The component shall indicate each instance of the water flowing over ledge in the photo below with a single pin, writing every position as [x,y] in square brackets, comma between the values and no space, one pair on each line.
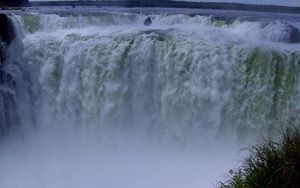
[110,77]
[181,76]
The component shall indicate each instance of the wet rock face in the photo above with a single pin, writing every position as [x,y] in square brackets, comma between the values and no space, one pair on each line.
[148,21]
[287,33]
[8,116]
[2,55]
[5,37]
[293,33]
[6,29]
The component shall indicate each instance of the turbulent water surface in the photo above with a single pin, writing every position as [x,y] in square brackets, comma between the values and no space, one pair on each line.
[102,100]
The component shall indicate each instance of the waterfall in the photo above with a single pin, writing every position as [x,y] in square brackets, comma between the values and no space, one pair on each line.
[181,78]
[111,99]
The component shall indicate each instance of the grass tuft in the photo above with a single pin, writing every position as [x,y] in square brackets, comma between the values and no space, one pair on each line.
[270,164]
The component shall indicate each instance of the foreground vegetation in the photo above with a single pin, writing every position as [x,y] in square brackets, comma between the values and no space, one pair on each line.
[270,164]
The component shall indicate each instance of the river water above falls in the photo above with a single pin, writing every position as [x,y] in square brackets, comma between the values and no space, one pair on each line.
[109,100]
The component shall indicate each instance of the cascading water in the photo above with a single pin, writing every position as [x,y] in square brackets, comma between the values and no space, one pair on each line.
[188,80]
[180,76]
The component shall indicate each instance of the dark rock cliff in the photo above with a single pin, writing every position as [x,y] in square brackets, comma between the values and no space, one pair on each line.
[6,29]
[7,83]
[6,37]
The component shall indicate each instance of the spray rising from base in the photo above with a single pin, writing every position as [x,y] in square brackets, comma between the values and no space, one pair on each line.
[56,160]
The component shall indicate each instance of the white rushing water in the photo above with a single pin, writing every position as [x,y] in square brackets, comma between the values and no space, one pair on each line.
[105,101]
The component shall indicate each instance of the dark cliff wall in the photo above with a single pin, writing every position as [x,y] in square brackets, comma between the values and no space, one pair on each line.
[6,37]
[8,113]
[6,29]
